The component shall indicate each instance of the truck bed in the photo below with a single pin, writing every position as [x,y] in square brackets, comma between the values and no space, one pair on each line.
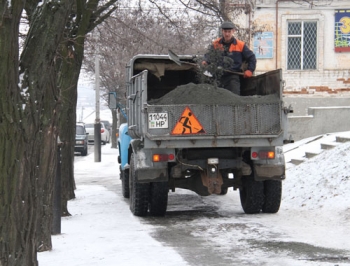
[220,114]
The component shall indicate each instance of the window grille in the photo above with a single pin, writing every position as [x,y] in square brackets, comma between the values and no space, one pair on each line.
[302,45]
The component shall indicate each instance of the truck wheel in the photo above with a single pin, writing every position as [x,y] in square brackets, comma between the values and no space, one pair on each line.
[84,152]
[124,176]
[224,190]
[139,192]
[273,195]
[159,198]
[252,195]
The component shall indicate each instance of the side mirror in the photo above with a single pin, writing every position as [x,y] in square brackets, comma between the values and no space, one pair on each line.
[112,100]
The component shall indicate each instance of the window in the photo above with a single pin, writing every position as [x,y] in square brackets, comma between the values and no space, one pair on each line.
[302,45]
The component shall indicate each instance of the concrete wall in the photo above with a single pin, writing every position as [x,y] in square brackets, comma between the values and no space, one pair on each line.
[320,120]
[301,103]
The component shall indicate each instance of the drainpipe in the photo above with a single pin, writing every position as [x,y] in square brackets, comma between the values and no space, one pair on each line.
[277,28]
[249,11]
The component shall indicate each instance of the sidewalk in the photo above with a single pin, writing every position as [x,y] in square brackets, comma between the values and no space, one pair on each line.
[102,230]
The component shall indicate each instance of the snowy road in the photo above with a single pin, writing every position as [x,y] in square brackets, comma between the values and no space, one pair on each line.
[209,230]
[215,231]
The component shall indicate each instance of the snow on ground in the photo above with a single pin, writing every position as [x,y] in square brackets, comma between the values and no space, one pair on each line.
[102,230]
[321,182]
[97,233]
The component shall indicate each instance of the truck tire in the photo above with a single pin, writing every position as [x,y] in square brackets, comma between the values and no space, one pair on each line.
[124,176]
[84,152]
[139,192]
[273,195]
[251,195]
[224,191]
[158,198]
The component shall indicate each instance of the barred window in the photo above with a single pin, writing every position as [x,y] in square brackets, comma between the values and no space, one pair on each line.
[302,45]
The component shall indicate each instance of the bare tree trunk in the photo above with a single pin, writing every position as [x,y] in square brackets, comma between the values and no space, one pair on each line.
[68,80]
[223,10]
[72,51]
[73,54]
[28,129]
[16,223]
[29,115]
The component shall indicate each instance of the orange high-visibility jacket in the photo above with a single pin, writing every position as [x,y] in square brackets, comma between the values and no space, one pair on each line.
[236,53]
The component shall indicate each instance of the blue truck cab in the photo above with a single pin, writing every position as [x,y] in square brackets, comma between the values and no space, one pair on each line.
[123,145]
[123,159]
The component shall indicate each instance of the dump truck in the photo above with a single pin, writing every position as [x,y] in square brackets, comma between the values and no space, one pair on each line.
[185,132]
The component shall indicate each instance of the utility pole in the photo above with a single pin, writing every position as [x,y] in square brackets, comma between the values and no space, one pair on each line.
[97,127]
[81,114]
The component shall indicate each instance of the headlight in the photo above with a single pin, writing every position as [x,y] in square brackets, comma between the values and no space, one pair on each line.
[79,142]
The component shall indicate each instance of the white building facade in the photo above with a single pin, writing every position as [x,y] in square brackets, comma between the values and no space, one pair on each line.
[308,40]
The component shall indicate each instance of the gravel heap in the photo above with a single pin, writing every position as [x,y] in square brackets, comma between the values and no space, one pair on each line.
[208,94]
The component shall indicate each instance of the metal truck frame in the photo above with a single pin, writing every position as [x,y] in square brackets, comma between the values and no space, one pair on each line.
[239,146]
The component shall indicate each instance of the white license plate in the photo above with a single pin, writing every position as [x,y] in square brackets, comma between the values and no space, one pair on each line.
[158,120]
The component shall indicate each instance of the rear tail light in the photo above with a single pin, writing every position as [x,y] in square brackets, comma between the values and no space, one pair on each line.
[102,130]
[259,155]
[270,155]
[163,157]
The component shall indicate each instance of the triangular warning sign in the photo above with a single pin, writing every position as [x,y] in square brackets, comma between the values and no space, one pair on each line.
[187,124]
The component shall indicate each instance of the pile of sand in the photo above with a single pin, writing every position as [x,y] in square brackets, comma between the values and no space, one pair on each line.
[208,94]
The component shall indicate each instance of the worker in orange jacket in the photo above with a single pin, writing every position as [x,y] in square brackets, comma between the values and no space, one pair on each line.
[228,53]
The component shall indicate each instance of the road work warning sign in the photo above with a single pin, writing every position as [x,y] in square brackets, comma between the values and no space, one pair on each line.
[187,124]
